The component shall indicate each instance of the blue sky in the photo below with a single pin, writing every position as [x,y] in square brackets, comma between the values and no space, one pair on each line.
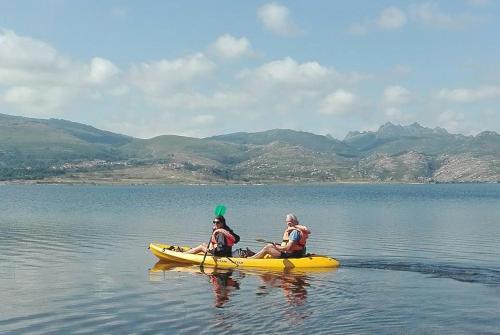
[201,68]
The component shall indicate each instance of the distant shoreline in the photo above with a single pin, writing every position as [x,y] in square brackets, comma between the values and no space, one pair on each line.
[159,183]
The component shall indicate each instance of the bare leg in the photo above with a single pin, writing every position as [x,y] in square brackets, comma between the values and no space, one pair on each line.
[269,249]
[201,248]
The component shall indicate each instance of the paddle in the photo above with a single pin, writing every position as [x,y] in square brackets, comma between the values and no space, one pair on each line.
[219,210]
[264,241]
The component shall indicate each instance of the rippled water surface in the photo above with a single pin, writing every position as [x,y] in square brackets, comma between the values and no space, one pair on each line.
[416,259]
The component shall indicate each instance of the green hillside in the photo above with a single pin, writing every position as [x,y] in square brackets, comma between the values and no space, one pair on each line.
[63,151]
[298,138]
[25,141]
[170,146]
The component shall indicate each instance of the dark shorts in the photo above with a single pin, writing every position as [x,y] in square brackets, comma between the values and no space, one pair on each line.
[227,252]
[295,254]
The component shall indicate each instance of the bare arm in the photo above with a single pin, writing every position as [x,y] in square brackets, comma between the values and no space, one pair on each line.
[287,247]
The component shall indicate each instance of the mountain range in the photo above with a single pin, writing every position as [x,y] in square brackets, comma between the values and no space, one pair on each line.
[60,151]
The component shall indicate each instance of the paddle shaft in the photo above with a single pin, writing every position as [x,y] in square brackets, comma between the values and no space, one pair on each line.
[206,251]
[205,255]
[220,210]
[264,241]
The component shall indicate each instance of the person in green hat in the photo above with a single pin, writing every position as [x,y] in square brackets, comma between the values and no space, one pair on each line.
[221,242]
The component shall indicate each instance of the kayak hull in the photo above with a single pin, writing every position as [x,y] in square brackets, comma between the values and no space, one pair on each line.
[163,252]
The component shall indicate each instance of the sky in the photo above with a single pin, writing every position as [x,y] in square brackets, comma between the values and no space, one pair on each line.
[203,68]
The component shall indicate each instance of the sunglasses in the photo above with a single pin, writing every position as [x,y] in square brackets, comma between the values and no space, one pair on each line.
[216,222]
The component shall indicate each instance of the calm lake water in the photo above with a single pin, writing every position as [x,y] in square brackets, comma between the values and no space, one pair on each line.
[416,259]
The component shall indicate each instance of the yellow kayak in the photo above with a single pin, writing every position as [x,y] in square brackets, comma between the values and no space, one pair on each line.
[171,253]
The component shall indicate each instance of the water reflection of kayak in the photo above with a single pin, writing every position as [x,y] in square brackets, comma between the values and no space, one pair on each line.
[221,280]
[169,253]
[294,282]
[162,266]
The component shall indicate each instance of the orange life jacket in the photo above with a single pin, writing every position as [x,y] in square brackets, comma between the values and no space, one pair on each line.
[304,234]
[229,238]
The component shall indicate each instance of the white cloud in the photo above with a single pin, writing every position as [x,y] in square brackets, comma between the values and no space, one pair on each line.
[393,113]
[229,47]
[166,75]
[102,70]
[203,119]
[338,102]
[183,91]
[197,101]
[276,19]
[17,94]
[464,95]
[451,121]
[290,73]
[396,95]
[119,90]
[391,18]
[426,13]
[25,60]
[38,80]
[18,51]
[39,100]
[288,87]
[394,98]
[429,14]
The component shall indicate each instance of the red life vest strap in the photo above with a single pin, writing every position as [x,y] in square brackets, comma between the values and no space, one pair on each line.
[229,237]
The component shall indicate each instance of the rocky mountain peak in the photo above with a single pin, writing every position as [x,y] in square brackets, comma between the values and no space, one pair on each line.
[390,130]
[488,134]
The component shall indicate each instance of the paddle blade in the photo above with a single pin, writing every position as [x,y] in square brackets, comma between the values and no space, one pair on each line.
[220,210]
